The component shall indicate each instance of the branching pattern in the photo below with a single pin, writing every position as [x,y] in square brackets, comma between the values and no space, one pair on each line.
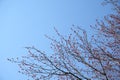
[78,57]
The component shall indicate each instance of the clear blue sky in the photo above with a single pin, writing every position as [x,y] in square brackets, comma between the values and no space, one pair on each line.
[24,23]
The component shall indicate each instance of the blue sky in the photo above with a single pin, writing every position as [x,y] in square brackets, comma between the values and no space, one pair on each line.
[25,22]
